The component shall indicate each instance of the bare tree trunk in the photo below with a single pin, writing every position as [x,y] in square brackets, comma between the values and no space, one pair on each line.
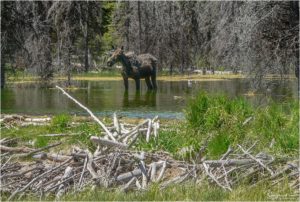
[86,42]
[2,73]
[140,26]
[68,66]
[86,52]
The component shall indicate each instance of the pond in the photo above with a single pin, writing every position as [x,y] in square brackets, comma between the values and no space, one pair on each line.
[106,97]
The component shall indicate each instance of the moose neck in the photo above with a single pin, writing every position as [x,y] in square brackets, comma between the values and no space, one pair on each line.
[125,62]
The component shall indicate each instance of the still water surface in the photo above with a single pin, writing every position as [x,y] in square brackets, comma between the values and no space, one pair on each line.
[105,97]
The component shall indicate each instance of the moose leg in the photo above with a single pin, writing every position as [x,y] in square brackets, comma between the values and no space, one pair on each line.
[137,84]
[125,83]
[153,79]
[149,85]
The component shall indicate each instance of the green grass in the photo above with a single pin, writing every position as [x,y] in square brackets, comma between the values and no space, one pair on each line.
[104,73]
[222,119]
[218,118]
[60,124]
[188,191]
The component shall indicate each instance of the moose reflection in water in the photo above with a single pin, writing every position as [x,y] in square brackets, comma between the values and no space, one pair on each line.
[136,67]
[147,100]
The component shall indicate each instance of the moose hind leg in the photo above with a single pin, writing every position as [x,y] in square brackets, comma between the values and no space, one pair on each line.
[149,85]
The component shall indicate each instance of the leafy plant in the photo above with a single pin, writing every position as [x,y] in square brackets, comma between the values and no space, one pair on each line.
[60,122]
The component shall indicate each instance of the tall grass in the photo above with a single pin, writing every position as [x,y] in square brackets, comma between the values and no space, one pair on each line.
[225,120]
[183,192]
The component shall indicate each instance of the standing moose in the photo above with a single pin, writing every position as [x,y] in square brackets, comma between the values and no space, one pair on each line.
[136,67]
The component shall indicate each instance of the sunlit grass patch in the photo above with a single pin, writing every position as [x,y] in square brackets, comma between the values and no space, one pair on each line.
[235,121]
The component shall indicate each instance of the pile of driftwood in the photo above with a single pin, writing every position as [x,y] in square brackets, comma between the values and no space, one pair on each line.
[114,164]
[241,165]
[58,174]
[118,167]
[10,121]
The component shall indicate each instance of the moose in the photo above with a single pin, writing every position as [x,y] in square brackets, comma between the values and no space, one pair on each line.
[136,67]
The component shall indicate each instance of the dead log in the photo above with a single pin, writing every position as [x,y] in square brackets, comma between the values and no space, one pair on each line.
[20,173]
[257,160]
[15,149]
[62,187]
[37,119]
[116,124]
[89,165]
[129,184]
[149,130]
[129,175]
[144,171]
[12,196]
[51,157]
[164,166]
[213,177]
[229,162]
[38,150]
[110,143]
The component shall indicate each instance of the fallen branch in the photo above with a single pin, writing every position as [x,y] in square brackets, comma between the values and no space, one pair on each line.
[257,160]
[91,113]
[12,196]
[106,142]
[15,149]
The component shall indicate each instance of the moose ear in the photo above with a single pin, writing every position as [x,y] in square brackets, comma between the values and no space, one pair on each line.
[122,48]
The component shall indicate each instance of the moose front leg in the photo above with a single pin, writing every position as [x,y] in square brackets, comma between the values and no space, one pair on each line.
[149,85]
[125,79]
[137,84]
[153,80]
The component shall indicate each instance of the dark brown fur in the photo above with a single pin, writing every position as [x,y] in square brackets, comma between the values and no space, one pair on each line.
[136,67]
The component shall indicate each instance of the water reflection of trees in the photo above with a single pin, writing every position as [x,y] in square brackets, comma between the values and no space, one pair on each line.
[140,100]
[109,96]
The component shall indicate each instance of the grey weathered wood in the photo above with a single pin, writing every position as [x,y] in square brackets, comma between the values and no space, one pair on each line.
[106,142]
[163,169]
[229,162]
[62,187]
[116,123]
[38,150]
[12,196]
[129,184]
[149,130]
[127,176]
[212,176]
[257,160]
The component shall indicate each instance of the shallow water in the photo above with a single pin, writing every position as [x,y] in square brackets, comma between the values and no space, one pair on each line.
[105,97]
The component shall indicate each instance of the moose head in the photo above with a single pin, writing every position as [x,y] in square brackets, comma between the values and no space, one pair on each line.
[115,56]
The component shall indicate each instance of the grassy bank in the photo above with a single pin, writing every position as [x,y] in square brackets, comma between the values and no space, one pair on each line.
[20,77]
[112,75]
[222,121]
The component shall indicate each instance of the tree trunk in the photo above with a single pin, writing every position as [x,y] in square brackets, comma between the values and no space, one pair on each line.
[68,63]
[86,53]
[140,26]
[2,73]
[86,43]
